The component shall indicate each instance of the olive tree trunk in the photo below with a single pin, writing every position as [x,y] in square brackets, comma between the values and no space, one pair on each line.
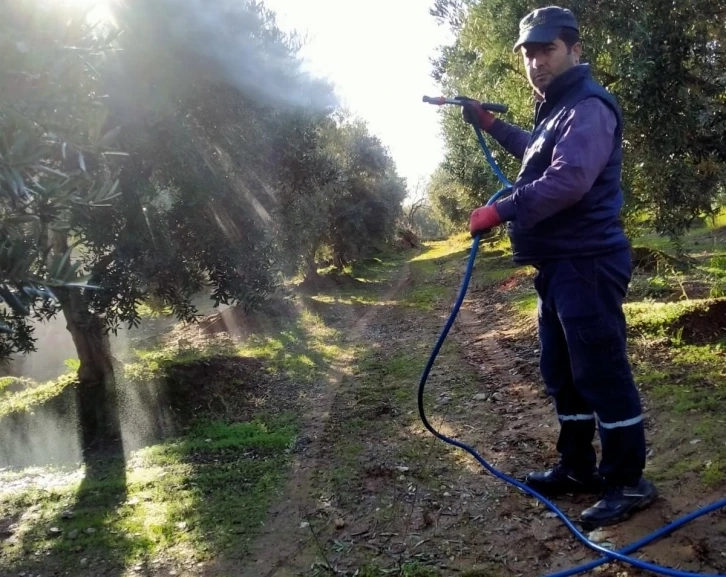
[99,422]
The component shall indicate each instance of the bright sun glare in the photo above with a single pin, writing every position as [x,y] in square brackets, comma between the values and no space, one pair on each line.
[99,10]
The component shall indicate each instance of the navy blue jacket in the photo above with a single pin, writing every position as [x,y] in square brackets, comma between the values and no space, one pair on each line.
[591,226]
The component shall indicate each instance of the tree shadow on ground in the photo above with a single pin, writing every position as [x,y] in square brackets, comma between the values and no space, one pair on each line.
[58,526]
[182,499]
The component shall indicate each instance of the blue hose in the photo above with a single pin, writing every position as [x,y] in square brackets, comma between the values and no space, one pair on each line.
[608,556]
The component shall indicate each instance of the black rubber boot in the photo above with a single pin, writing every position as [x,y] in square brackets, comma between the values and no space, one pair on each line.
[619,504]
[560,481]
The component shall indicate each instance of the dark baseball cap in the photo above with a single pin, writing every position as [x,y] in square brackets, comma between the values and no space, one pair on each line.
[543,25]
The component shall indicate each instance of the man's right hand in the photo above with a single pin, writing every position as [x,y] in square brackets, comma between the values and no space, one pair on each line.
[474,114]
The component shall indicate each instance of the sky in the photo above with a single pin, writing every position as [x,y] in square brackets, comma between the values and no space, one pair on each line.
[377,53]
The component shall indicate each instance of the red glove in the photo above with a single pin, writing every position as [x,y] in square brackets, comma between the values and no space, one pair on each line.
[474,114]
[483,219]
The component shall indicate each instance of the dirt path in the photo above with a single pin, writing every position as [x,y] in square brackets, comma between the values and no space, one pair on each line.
[284,547]
[374,490]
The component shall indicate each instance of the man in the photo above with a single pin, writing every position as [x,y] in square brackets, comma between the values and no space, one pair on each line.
[563,219]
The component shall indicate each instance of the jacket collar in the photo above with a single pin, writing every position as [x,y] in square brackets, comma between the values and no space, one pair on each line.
[558,88]
[561,84]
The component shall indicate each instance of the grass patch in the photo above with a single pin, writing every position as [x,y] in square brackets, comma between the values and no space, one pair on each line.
[444,249]
[698,321]
[439,270]
[526,304]
[490,275]
[426,297]
[372,271]
[714,474]
[376,269]
[348,298]
[190,499]
[32,396]
[300,349]
[686,387]
[153,363]
[654,318]
[692,380]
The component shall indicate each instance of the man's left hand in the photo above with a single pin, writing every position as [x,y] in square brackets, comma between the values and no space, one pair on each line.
[483,219]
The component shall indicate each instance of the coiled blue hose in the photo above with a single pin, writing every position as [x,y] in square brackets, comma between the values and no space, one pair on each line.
[608,556]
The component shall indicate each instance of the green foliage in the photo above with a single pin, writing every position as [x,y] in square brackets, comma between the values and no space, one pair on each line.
[167,153]
[55,161]
[427,224]
[663,65]
[369,202]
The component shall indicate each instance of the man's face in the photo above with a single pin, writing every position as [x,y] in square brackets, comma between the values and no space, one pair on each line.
[544,62]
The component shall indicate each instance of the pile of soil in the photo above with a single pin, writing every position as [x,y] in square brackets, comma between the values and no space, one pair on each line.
[703,325]
[230,389]
[238,323]
[649,260]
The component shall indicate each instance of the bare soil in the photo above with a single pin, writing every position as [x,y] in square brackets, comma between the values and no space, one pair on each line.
[703,325]
[284,546]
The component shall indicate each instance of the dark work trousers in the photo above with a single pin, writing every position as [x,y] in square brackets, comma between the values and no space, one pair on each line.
[585,366]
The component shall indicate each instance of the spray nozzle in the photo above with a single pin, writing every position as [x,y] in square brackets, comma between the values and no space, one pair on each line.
[440,101]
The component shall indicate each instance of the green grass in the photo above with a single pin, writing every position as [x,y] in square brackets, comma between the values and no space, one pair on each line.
[300,348]
[150,364]
[432,273]
[691,381]
[426,297]
[684,383]
[371,271]
[526,304]
[456,245]
[26,399]
[439,270]
[190,499]
[347,298]
[489,275]
[376,269]
[655,318]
